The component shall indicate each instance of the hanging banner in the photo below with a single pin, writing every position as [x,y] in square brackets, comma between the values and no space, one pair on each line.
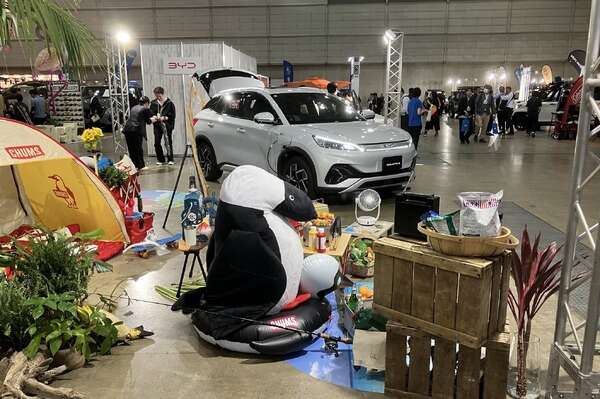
[547,73]
[518,73]
[288,72]
[577,59]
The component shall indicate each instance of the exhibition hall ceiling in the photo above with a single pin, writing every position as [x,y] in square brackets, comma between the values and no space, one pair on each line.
[327,32]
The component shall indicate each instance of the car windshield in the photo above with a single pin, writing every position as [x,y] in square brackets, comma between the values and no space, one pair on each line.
[304,108]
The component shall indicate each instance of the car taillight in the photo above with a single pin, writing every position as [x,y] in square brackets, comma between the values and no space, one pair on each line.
[194,121]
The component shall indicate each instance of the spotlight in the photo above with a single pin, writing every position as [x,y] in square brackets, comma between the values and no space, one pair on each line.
[389,36]
[491,76]
[123,37]
[503,77]
[458,81]
[450,81]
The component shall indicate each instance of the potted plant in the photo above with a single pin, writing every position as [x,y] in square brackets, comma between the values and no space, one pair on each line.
[60,324]
[362,257]
[536,278]
[92,138]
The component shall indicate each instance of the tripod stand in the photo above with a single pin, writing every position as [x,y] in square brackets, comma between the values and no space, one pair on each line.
[185,154]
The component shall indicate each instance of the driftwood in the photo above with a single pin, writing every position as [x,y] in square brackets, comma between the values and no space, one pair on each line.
[21,378]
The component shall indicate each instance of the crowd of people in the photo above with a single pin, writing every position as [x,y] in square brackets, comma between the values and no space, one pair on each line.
[34,113]
[478,111]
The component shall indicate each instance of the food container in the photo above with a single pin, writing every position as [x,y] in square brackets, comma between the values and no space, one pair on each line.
[189,233]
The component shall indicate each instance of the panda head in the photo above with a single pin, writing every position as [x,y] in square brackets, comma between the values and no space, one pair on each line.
[253,187]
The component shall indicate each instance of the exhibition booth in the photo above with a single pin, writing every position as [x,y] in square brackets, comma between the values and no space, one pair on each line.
[417,306]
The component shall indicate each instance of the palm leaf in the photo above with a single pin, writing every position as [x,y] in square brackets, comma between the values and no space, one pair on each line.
[75,45]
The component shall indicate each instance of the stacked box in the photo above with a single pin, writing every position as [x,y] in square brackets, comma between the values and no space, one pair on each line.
[458,305]
[420,366]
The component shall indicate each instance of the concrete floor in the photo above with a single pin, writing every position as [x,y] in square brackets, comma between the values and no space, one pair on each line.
[533,172]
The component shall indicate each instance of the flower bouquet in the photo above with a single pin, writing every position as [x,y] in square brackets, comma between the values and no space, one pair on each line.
[91,138]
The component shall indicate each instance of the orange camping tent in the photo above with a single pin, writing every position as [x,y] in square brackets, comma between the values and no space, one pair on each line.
[317,82]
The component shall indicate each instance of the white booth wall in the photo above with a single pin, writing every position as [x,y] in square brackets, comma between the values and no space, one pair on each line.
[177,87]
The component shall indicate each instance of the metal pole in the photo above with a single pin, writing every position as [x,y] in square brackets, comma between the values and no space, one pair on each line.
[399,88]
[387,81]
[580,372]
[583,127]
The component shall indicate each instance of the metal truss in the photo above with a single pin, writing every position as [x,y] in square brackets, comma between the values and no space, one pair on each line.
[118,88]
[576,356]
[393,77]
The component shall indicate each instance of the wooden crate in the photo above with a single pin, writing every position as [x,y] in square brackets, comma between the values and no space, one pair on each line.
[420,366]
[459,299]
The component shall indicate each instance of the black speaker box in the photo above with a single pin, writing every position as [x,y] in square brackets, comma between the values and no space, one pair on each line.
[409,208]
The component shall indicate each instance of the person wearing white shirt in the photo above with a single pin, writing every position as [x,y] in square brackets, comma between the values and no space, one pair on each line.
[404,109]
[506,107]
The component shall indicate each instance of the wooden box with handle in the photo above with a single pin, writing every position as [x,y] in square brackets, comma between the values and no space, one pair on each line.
[459,299]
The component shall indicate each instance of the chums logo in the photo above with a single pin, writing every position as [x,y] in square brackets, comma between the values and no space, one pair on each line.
[182,66]
[62,191]
[25,152]
[289,321]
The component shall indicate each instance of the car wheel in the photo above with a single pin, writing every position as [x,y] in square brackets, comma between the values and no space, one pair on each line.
[208,161]
[298,172]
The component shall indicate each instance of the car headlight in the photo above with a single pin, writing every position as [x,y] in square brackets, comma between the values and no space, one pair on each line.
[336,145]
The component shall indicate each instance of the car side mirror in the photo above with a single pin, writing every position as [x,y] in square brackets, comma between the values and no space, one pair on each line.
[368,114]
[265,118]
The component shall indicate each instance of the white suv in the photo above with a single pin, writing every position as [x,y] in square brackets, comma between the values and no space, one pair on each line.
[314,140]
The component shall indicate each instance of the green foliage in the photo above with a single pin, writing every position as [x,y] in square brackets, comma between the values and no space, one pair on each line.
[54,265]
[14,316]
[21,20]
[112,176]
[60,324]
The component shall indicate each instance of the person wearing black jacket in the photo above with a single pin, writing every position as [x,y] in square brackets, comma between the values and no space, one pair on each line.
[533,111]
[163,111]
[135,131]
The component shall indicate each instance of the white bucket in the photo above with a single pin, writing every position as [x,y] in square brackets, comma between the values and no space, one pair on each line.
[189,234]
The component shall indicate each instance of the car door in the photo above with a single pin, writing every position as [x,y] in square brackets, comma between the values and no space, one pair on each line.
[231,128]
[262,140]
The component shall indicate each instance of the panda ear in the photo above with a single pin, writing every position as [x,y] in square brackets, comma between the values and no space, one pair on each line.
[296,205]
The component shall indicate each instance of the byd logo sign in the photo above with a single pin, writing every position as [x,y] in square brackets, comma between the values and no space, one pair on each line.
[25,152]
[180,66]
[186,65]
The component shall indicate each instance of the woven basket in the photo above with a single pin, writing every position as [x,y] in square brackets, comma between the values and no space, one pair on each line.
[470,246]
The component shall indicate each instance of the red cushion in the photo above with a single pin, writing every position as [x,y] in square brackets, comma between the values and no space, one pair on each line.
[300,299]
[108,249]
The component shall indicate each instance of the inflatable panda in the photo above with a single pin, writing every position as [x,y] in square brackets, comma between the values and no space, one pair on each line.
[255,268]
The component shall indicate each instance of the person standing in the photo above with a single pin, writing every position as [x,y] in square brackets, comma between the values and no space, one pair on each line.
[404,100]
[39,108]
[18,110]
[500,108]
[332,88]
[163,111]
[435,108]
[506,108]
[425,113]
[135,131]
[534,104]
[415,111]
[484,109]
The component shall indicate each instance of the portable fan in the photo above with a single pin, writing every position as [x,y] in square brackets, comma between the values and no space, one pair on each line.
[367,201]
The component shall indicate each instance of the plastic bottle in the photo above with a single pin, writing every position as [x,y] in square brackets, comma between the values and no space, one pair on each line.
[353,300]
[321,240]
[312,238]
